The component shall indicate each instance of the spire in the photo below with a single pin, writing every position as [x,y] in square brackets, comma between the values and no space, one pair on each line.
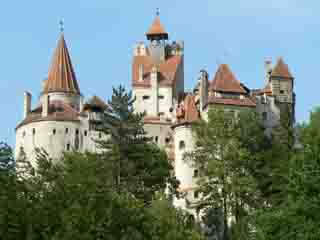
[225,81]
[157,31]
[61,76]
[281,70]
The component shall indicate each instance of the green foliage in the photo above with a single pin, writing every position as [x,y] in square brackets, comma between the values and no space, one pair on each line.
[297,216]
[72,199]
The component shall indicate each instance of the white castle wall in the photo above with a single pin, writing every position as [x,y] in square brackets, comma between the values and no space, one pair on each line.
[184,172]
[41,135]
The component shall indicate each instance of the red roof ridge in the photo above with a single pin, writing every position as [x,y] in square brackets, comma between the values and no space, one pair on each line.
[281,69]
[61,76]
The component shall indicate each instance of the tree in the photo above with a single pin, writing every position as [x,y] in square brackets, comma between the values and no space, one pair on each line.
[6,158]
[231,155]
[138,166]
[72,199]
[227,148]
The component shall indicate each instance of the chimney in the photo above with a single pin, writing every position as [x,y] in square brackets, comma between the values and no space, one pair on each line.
[27,104]
[267,69]
[45,105]
[81,104]
[141,73]
[203,89]
[154,108]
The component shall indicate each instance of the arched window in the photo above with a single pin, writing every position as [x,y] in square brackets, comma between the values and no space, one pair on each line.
[182,145]
[67,130]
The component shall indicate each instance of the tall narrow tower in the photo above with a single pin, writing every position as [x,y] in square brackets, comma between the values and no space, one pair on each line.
[157,79]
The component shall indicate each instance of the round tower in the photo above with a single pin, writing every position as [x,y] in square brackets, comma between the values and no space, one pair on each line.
[184,142]
[55,124]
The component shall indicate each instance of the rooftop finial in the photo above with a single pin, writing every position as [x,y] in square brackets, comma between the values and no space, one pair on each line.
[158,11]
[61,23]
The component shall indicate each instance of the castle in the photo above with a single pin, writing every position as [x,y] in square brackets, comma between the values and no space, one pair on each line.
[64,121]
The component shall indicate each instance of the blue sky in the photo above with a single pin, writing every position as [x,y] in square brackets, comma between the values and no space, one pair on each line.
[100,35]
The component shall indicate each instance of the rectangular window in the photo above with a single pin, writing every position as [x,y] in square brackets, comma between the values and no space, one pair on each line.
[264,116]
[68,147]
[196,173]
[145,97]
[196,194]
[161,97]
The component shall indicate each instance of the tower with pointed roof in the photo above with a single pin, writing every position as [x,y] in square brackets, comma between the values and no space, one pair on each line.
[60,121]
[157,79]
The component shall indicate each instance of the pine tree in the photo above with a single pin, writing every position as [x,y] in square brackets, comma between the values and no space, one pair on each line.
[139,166]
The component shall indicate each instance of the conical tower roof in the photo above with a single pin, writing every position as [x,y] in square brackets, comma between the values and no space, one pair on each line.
[225,81]
[61,76]
[281,69]
[157,30]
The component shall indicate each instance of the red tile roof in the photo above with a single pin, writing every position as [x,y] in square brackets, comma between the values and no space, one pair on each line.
[157,29]
[225,81]
[61,76]
[58,111]
[281,69]
[246,102]
[167,70]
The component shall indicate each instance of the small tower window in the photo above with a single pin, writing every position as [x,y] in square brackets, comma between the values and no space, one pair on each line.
[145,97]
[281,91]
[196,194]
[67,130]
[196,173]
[54,131]
[33,131]
[264,116]
[77,131]
[167,140]
[182,145]
[24,134]
[85,133]
[68,147]
[156,139]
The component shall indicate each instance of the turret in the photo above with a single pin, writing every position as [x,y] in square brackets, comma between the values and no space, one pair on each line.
[27,104]
[157,36]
